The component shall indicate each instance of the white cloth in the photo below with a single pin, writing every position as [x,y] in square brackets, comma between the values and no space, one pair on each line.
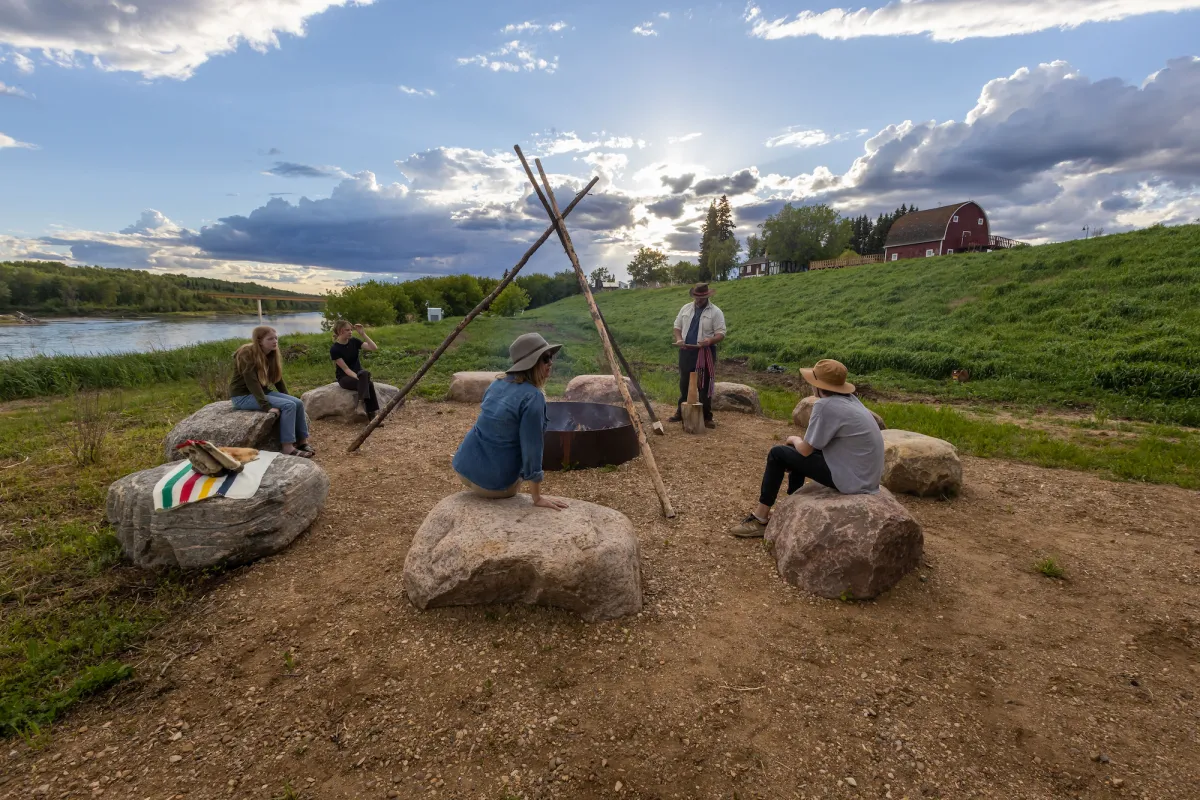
[185,485]
[712,320]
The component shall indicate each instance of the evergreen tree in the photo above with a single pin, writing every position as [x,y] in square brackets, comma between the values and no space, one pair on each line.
[708,236]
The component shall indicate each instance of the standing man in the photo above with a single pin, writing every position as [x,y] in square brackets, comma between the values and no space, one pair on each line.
[698,327]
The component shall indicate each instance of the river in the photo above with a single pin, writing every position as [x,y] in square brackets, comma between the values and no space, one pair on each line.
[97,335]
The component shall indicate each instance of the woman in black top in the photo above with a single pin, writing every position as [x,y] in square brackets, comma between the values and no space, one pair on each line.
[349,372]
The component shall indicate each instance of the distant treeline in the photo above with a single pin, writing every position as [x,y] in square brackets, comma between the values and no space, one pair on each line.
[55,288]
[382,303]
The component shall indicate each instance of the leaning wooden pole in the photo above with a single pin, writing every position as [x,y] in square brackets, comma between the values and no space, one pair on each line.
[551,206]
[484,305]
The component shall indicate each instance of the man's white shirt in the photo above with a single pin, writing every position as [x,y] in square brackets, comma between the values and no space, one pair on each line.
[712,321]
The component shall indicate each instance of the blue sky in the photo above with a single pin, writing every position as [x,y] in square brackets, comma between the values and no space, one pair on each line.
[313,142]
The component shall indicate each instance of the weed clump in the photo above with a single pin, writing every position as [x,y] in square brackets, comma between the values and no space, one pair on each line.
[1049,567]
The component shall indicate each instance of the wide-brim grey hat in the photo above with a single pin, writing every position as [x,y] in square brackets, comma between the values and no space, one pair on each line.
[527,349]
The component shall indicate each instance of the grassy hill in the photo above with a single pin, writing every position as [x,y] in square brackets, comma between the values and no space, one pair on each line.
[1110,324]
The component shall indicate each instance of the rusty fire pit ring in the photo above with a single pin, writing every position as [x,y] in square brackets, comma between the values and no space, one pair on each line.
[587,435]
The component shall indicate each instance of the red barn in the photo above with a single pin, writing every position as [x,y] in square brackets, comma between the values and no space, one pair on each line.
[939,231]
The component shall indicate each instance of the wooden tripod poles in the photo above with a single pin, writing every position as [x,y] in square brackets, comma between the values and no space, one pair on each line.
[484,304]
[551,206]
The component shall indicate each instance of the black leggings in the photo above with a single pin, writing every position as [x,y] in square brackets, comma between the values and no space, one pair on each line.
[361,384]
[785,458]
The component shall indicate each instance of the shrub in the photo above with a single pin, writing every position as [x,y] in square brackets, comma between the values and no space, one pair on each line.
[92,420]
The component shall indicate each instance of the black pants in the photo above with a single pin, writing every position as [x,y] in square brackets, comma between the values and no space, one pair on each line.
[687,365]
[361,384]
[785,458]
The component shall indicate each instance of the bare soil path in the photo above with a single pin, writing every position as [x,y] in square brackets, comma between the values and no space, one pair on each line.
[975,677]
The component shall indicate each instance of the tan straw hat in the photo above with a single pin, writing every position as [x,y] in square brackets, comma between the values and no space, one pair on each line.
[829,375]
[527,349]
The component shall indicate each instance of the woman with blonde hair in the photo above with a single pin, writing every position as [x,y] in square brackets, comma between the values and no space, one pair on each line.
[505,445]
[349,372]
[257,366]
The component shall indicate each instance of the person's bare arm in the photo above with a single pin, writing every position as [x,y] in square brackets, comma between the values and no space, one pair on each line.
[368,344]
[802,447]
[716,337]
[342,366]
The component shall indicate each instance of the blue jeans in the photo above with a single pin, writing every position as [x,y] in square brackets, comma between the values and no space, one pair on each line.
[293,422]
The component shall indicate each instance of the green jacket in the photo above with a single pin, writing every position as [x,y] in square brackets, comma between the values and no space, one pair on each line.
[245,381]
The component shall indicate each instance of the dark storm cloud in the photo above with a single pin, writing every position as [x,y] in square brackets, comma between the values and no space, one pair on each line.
[289,169]
[669,207]
[738,183]
[680,184]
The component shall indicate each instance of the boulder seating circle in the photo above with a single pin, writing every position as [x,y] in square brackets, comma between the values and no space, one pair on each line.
[472,551]
[468,387]
[217,531]
[599,389]
[843,546]
[224,426]
[331,401]
[735,397]
[914,463]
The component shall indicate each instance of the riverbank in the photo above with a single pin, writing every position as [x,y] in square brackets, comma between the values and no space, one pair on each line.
[139,333]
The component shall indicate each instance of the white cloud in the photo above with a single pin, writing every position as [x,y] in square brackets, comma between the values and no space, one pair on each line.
[8,141]
[157,38]
[645,29]
[806,137]
[417,92]
[512,57]
[14,91]
[1046,150]
[23,63]
[570,142]
[687,137]
[608,166]
[533,27]
[954,20]
[664,15]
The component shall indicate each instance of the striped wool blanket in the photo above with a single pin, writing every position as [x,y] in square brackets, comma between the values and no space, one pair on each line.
[185,485]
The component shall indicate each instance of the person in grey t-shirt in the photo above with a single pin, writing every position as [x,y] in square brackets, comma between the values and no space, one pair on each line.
[842,448]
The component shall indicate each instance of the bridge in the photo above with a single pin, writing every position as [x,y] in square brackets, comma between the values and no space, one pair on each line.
[291,298]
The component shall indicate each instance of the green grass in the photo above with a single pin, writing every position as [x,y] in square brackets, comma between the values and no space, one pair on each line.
[1049,567]
[69,610]
[1111,323]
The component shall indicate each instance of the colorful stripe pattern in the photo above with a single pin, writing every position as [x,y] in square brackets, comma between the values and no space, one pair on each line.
[185,485]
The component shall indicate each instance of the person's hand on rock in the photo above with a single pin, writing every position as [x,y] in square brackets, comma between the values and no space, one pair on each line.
[550,502]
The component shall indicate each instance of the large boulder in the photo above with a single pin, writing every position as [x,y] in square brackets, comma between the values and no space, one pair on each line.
[735,397]
[598,389]
[914,463]
[803,410]
[332,401]
[471,551]
[468,387]
[225,426]
[216,532]
[843,545]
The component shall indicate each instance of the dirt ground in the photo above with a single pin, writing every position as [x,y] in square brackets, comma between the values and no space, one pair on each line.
[975,677]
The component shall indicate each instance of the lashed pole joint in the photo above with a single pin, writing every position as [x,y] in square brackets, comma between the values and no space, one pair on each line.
[484,305]
[551,206]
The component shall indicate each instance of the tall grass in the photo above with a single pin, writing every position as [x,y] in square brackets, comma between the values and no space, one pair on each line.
[1111,322]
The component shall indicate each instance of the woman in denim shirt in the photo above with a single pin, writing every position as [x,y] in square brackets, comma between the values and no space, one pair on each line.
[505,445]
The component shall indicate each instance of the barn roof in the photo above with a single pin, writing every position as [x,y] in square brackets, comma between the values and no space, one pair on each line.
[921,226]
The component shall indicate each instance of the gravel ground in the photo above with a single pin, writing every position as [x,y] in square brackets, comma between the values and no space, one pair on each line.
[975,677]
